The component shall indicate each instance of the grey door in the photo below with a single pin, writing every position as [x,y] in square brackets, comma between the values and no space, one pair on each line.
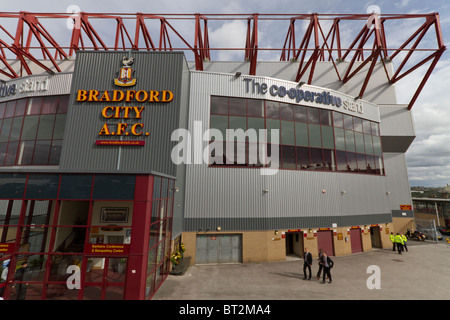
[224,248]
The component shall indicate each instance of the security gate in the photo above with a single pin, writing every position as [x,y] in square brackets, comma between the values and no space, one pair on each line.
[223,248]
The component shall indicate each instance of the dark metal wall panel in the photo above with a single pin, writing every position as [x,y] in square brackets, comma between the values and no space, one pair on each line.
[201,225]
[96,71]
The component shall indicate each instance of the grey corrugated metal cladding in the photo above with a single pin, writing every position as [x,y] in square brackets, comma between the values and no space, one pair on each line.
[155,111]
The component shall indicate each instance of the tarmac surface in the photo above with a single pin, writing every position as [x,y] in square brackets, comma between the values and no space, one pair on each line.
[422,273]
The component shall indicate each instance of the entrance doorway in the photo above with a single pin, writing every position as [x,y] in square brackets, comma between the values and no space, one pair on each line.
[325,241]
[104,278]
[356,240]
[375,237]
[294,243]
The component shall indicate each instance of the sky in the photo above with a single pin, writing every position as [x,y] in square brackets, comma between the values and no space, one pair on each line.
[428,158]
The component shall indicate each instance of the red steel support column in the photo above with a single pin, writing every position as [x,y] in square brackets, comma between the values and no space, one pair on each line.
[140,231]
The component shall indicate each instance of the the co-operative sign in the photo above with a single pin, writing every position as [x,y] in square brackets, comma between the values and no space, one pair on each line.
[298,95]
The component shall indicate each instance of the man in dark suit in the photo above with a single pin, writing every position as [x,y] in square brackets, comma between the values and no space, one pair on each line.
[327,265]
[307,257]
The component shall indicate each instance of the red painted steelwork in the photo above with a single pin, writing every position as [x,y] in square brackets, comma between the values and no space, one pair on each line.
[366,49]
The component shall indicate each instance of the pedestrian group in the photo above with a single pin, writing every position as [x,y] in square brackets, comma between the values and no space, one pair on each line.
[325,265]
[399,242]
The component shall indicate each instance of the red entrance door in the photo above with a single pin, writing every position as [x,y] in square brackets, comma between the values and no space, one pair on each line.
[325,241]
[104,278]
[355,239]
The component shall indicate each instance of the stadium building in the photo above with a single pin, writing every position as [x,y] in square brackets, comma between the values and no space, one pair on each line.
[111,157]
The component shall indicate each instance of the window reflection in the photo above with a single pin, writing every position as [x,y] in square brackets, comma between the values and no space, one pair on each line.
[328,140]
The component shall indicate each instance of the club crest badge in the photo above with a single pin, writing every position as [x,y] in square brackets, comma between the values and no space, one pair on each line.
[125,78]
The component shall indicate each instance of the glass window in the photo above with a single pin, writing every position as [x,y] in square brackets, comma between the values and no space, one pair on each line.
[60,124]
[375,129]
[15,129]
[45,129]
[351,161]
[256,124]
[30,124]
[379,167]
[338,120]
[287,133]
[328,160]
[220,123]
[376,146]
[313,115]
[49,105]
[367,127]
[219,105]
[325,117]
[315,136]
[301,114]
[303,158]
[6,129]
[10,109]
[3,147]
[368,144]
[119,187]
[63,104]
[358,124]
[301,134]
[370,164]
[272,110]
[12,185]
[339,138]
[286,111]
[26,150]
[272,124]
[41,152]
[359,142]
[35,106]
[2,109]
[348,122]
[288,157]
[255,108]
[75,186]
[361,162]
[55,152]
[341,160]
[11,153]
[349,140]
[327,137]
[42,186]
[20,107]
[316,158]
[237,106]
[237,123]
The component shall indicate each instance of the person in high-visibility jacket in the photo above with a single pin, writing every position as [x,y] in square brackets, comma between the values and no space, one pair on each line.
[399,242]
[392,237]
[404,238]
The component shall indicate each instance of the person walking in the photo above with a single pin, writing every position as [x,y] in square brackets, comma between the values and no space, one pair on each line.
[320,264]
[392,237]
[404,238]
[307,257]
[22,275]
[327,265]
[399,243]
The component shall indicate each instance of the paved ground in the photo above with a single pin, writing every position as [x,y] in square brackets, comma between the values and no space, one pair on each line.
[421,273]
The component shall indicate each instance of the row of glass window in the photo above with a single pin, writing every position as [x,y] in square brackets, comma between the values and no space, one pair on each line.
[31,130]
[252,108]
[299,134]
[294,158]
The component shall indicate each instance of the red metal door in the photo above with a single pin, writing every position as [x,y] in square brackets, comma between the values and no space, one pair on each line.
[355,240]
[325,241]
